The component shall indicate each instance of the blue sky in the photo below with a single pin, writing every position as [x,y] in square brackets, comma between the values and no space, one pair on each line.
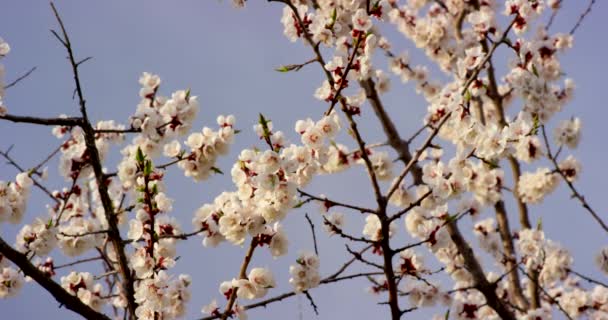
[227,57]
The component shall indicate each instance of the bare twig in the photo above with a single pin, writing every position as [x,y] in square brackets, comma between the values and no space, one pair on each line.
[575,193]
[312,230]
[582,17]
[14,82]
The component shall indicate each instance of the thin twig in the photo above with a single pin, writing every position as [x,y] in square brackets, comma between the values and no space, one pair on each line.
[312,230]
[20,78]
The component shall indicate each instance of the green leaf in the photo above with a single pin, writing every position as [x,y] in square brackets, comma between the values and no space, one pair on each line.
[493,164]
[467,96]
[216,170]
[447,315]
[264,123]
[237,131]
[539,224]
[534,70]
[49,224]
[451,218]
[299,204]
[139,155]
[188,95]
[283,69]
[148,168]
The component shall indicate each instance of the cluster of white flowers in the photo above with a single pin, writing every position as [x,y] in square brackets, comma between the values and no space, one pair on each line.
[373,228]
[38,237]
[205,147]
[162,297]
[421,294]
[568,133]
[82,285]
[470,108]
[335,220]
[255,286]
[13,198]
[534,186]
[400,66]
[410,263]
[488,236]
[4,50]
[10,281]
[305,273]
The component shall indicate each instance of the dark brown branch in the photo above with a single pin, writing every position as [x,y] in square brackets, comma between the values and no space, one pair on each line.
[411,206]
[416,156]
[394,140]
[477,273]
[312,302]
[242,275]
[549,297]
[327,280]
[77,262]
[68,122]
[334,203]
[63,297]
[510,256]
[89,136]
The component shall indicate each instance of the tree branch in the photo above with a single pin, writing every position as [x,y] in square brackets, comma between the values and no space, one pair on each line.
[63,297]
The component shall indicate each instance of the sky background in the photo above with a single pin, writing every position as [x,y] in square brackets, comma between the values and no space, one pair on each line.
[227,56]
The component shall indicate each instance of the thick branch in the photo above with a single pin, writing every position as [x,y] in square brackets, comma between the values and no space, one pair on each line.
[479,277]
[68,122]
[394,140]
[69,301]
[89,136]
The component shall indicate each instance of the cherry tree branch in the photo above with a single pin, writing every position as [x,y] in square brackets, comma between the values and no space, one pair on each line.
[63,297]
[242,275]
[479,277]
[89,136]
[394,140]
[67,122]
[332,203]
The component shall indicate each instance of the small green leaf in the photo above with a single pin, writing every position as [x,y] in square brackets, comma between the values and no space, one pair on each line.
[148,168]
[467,96]
[237,131]
[283,69]
[299,204]
[539,224]
[188,95]
[451,218]
[447,315]
[264,124]
[139,155]
[534,70]
[49,224]
[216,170]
